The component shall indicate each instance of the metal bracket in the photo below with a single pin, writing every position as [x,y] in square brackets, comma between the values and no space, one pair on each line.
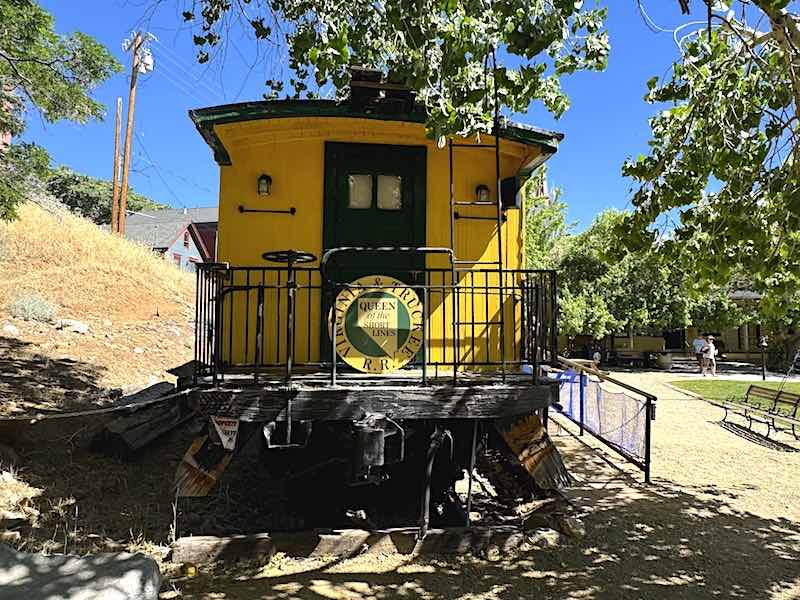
[271,429]
[290,211]
[457,215]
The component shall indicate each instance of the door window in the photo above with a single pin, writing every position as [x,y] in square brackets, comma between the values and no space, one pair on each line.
[390,188]
[360,191]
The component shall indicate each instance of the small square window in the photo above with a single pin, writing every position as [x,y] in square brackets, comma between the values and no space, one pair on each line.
[360,193]
[390,192]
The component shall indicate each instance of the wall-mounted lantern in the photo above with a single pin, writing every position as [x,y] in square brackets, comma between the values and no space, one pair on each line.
[482,193]
[264,185]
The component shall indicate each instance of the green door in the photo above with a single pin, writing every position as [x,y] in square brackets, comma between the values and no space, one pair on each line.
[374,197]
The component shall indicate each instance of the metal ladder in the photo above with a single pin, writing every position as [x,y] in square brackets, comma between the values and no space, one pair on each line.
[499,218]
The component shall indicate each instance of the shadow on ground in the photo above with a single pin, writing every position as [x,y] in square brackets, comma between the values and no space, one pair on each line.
[31,382]
[32,576]
[87,498]
[753,436]
[653,541]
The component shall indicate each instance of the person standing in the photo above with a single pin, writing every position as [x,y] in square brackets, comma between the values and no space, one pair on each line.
[710,357]
[698,343]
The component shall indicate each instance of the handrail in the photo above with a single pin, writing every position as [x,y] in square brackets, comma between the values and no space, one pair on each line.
[599,374]
[323,263]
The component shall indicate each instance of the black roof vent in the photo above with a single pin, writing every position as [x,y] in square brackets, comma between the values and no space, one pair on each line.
[371,91]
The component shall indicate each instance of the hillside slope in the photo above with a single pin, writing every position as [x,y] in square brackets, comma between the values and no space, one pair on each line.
[138,309]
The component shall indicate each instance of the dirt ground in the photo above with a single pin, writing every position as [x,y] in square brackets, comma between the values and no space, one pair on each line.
[721,519]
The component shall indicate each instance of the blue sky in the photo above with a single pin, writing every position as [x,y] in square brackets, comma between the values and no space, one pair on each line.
[606,124]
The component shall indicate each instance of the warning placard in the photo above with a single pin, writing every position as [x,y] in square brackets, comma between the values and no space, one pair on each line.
[227,429]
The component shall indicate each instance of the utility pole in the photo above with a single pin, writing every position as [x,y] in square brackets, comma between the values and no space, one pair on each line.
[115,196]
[126,162]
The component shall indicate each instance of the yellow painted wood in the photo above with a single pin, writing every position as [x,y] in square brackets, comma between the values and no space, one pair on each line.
[291,151]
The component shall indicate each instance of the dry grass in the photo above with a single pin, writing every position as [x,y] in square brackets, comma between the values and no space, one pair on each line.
[17,496]
[87,502]
[83,270]
[138,307]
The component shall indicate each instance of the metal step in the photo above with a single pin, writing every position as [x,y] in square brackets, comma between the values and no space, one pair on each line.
[475,203]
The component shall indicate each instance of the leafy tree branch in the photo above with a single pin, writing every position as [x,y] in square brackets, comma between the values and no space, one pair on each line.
[46,72]
[719,192]
[441,49]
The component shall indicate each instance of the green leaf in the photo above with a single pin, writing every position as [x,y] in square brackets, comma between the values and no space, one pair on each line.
[439,48]
[55,75]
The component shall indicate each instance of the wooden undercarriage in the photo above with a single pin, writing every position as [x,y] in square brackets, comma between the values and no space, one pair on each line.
[310,396]
[380,444]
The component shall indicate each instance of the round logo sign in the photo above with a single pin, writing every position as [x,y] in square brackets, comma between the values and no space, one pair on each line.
[378,324]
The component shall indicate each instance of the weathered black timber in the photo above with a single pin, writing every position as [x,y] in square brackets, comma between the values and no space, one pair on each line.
[203,549]
[125,436]
[347,403]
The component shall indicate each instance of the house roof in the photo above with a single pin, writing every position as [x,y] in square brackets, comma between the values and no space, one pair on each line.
[160,228]
[744,295]
[206,118]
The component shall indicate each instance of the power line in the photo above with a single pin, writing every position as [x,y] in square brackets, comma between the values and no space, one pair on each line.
[170,55]
[150,165]
[188,79]
[181,86]
[158,171]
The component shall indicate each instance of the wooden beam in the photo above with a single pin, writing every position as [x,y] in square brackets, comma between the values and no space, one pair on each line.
[201,550]
[345,404]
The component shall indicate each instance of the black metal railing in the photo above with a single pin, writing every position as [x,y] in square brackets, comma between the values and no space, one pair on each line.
[253,319]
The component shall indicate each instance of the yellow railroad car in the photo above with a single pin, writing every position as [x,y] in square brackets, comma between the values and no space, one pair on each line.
[370,304]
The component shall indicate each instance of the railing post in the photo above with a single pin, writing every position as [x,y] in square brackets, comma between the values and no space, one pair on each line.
[200,277]
[259,331]
[456,318]
[535,325]
[218,327]
[426,300]
[647,433]
[333,343]
[554,318]
[290,302]
[582,379]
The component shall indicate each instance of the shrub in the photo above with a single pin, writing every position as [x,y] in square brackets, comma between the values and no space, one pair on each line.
[31,307]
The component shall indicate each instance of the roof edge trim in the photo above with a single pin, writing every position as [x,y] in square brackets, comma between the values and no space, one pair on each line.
[205,119]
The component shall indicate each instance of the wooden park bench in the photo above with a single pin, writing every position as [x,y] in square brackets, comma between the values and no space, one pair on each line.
[634,358]
[768,406]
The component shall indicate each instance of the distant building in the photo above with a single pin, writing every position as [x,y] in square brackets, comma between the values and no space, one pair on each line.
[184,236]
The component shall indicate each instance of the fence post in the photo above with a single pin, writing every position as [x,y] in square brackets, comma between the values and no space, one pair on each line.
[582,399]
